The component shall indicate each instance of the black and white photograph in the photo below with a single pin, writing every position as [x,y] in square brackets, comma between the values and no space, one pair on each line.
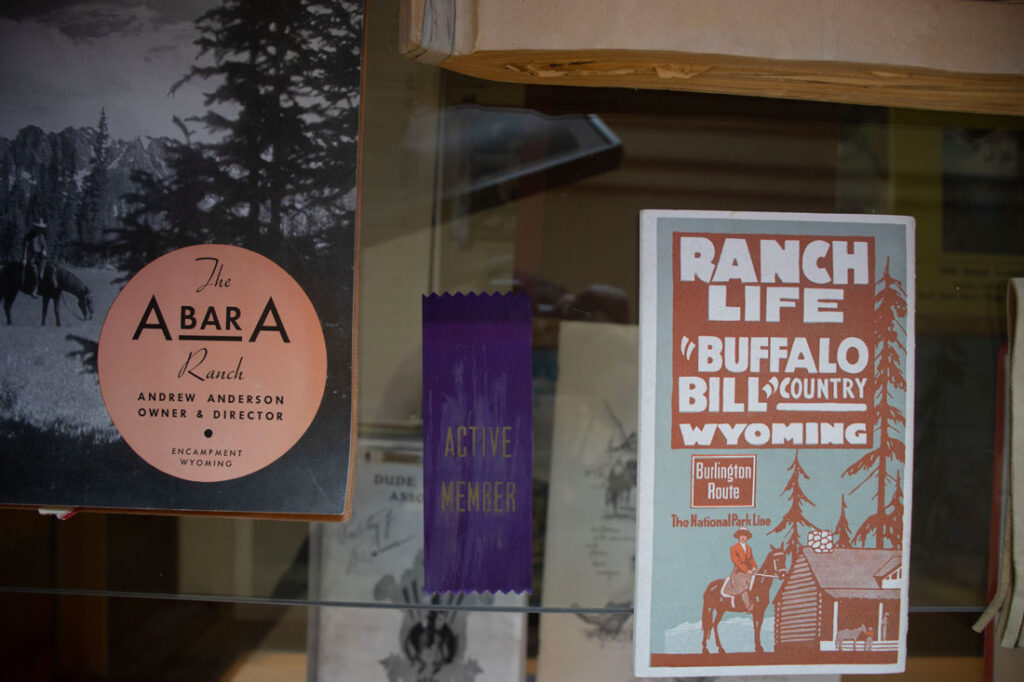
[130,129]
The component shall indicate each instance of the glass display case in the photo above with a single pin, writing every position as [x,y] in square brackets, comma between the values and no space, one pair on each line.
[471,185]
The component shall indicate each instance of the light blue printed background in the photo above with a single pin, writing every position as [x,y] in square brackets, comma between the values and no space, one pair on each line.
[685,560]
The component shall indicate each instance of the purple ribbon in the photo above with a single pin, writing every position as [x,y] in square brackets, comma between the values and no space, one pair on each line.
[477,442]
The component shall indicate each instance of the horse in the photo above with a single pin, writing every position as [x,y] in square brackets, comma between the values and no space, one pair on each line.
[716,604]
[620,483]
[14,278]
[852,636]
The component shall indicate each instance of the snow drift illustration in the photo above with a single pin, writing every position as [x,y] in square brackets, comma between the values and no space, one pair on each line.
[737,635]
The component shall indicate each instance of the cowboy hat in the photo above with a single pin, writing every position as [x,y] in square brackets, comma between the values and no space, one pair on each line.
[742,531]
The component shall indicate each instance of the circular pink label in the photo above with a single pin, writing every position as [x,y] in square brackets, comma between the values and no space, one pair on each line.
[212,362]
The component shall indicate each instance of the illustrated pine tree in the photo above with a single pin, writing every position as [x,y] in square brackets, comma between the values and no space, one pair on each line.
[841,535]
[894,514]
[884,463]
[794,518]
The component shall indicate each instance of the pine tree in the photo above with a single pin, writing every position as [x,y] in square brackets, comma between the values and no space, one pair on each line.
[894,515]
[283,116]
[794,518]
[841,536]
[14,216]
[891,309]
[91,223]
[49,196]
[327,71]
[288,149]
[165,212]
[65,199]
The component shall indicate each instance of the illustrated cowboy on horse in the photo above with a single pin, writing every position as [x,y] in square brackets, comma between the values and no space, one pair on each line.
[744,567]
[749,582]
[34,260]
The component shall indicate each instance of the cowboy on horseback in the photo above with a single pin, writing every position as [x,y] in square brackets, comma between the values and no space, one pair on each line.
[743,569]
[720,595]
[34,257]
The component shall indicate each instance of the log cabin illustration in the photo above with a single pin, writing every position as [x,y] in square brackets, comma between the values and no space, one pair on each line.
[830,593]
